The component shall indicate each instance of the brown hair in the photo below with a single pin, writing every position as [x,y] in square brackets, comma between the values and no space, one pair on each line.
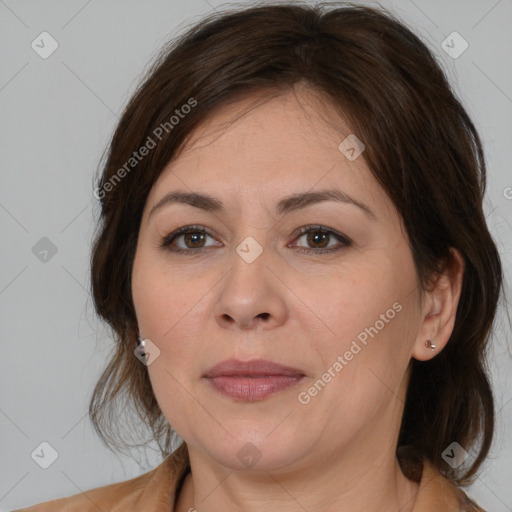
[421,147]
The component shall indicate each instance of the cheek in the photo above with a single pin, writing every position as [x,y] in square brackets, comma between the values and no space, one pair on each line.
[170,313]
[161,297]
[362,373]
[369,318]
[179,405]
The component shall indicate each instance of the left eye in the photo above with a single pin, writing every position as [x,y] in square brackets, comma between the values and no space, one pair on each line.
[320,237]
[194,237]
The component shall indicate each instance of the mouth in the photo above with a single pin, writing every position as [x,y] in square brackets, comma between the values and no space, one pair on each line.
[252,380]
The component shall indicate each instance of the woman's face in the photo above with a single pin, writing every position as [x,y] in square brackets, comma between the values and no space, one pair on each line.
[254,287]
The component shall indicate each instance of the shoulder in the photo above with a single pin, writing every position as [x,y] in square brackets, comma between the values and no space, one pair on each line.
[436,492]
[103,498]
[153,490]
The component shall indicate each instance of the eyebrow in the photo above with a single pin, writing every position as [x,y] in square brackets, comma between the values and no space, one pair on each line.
[285,205]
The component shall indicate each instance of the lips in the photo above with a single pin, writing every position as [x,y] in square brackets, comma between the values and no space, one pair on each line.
[253,368]
[252,380]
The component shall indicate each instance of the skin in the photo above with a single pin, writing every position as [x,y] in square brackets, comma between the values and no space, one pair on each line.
[337,452]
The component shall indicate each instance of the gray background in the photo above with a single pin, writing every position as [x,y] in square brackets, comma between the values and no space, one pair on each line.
[57,115]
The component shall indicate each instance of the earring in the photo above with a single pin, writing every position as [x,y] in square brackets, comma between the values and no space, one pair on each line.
[430,344]
[141,346]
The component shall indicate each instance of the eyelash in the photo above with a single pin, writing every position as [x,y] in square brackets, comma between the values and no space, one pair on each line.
[167,241]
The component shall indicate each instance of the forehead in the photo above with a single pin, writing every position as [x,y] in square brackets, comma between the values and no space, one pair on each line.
[269,147]
[281,127]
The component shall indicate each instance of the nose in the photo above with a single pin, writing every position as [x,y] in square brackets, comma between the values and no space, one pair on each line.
[251,296]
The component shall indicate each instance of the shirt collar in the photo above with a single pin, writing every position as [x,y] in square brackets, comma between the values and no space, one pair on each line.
[435,494]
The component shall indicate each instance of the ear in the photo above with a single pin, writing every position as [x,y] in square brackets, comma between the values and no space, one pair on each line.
[439,309]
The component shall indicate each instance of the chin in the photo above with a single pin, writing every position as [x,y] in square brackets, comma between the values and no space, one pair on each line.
[256,450]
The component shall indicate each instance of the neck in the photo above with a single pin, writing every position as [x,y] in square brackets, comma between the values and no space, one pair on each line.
[334,485]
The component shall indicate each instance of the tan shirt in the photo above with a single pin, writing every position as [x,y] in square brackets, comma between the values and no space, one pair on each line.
[156,491]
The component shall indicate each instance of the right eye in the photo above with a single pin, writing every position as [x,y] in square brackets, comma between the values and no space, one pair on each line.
[193,238]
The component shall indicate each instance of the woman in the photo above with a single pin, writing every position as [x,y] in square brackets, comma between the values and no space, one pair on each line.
[294,259]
